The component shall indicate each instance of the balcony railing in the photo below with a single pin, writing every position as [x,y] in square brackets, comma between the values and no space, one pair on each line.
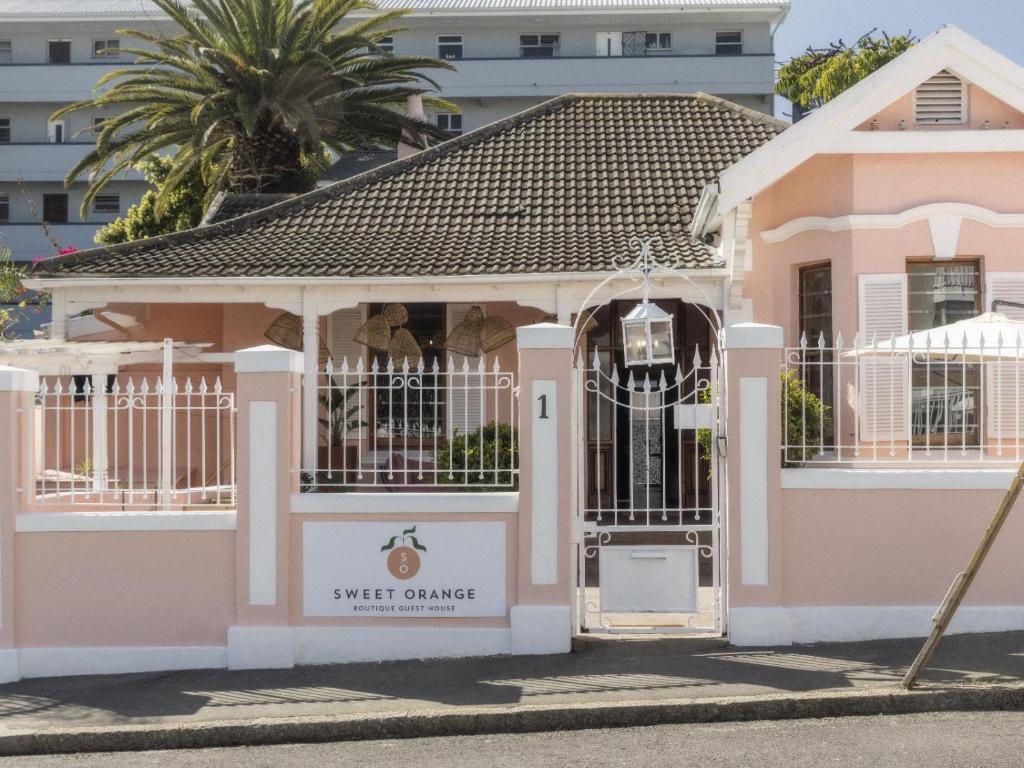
[900,403]
[415,428]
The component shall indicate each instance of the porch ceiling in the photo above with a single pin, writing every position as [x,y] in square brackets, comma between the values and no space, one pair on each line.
[557,189]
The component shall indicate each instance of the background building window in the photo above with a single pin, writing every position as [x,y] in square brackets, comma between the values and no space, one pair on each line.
[58,51]
[6,52]
[538,46]
[5,130]
[450,122]
[5,208]
[107,204]
[57,131]
[658,41]
[387,44]
[728,43]
[55,209]
[104,49]
[97,124]
[449,46]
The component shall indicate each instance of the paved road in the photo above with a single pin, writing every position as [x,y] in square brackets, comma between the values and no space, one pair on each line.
[992,740]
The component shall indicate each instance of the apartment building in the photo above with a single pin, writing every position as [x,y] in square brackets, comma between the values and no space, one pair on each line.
[508,55]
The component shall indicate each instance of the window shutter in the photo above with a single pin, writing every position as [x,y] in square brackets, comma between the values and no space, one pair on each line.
[884,382]
[940,100]
[342,326]
[466,397]
[1004,382]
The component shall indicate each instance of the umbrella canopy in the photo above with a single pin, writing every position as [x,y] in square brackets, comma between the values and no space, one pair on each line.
[989,336]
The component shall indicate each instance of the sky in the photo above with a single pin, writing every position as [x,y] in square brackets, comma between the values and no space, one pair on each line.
[997,23]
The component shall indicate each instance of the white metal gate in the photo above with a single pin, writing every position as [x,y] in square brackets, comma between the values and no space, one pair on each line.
[648,523]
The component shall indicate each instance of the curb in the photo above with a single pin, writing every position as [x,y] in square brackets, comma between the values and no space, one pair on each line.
[470,721]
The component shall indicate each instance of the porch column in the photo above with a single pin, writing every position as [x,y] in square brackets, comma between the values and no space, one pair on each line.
[311,357]
[17,389]
[753,356]
[268,474]
[542,619]
[100,448]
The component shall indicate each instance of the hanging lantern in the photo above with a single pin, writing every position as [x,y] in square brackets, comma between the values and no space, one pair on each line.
[647,335]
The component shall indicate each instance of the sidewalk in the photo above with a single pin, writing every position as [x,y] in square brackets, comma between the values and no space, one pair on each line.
[610,672]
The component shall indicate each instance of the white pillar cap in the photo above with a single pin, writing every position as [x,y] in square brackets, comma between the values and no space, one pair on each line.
[268,359]
[753,336]
[545,336]
[18,379]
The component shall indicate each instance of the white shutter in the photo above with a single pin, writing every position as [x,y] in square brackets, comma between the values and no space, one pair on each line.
[341,327]
[1004,382]
[884,382]
[465,401]
[940,100]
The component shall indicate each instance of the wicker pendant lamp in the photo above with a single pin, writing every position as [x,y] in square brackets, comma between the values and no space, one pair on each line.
[404,348]
[375,333]
[465,337]
[286,331]
[495,332]
[396,314]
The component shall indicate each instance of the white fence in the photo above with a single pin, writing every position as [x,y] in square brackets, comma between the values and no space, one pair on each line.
[135,444]
[900,402]
[415,428]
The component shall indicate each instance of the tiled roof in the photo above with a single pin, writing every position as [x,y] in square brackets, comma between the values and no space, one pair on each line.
[37,8]
[230,205]
[559,188]
[359,161]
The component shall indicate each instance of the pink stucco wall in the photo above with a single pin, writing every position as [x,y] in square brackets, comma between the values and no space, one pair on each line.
[837,185]
[124,589]
[894,547]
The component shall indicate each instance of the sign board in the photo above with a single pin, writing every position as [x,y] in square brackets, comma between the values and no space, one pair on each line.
[392,570]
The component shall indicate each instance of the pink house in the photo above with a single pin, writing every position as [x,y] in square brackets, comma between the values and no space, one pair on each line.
[529,383]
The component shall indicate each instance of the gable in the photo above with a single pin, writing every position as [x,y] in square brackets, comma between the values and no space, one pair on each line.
[834,127]
[981,109]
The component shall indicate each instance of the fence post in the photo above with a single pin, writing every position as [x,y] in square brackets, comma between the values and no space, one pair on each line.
[17,454]
[542,618]
[753,356]
[269,428]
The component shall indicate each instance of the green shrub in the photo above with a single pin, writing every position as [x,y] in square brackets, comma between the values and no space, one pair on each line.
[459,461]
[800,409]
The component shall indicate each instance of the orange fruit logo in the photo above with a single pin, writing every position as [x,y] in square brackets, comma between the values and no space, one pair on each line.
[403,557]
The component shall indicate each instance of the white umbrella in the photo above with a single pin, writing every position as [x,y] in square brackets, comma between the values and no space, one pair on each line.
[989,336]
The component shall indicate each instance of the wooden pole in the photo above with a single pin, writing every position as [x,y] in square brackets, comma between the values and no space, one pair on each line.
[962,582]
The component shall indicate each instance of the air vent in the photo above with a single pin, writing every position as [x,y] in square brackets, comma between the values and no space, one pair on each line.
[940,100]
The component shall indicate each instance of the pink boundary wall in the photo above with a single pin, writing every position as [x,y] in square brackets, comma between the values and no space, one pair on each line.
[831,554]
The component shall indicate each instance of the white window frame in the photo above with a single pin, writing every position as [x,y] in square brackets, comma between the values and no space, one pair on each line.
[719,43]
[448,117]
[657,41]
[8,127]
[51,132]
[449,39]
[67,206]
[58,40]
[107,198]
[387,43]
[555,47]
[8,47]
[105,54]
[5,205]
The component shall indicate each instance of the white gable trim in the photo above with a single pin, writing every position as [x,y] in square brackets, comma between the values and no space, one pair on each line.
[943,219]
[950,48]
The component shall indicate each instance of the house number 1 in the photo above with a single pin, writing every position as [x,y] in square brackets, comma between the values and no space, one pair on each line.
[543,407]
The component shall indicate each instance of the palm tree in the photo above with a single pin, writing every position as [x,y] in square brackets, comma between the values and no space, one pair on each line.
[253,91]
